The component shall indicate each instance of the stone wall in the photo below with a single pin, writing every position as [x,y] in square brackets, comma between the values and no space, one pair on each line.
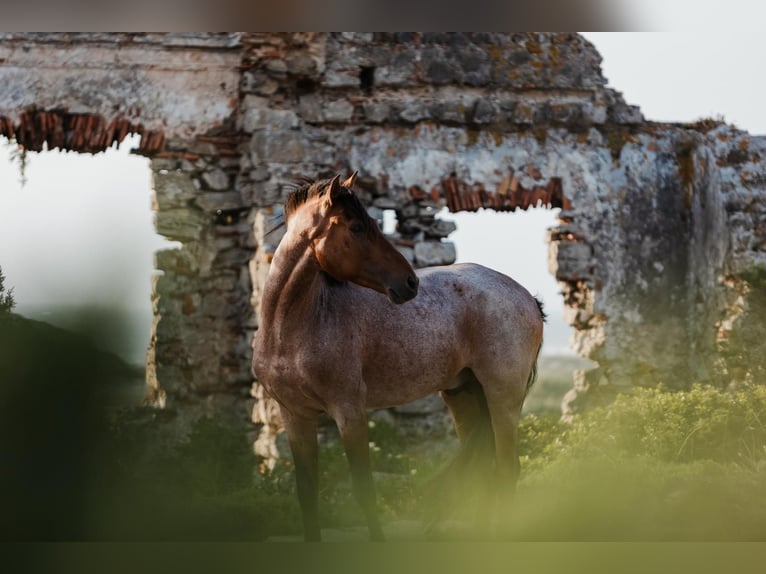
[656,221]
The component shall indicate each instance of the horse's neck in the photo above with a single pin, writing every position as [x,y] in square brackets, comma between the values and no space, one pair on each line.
[292,287]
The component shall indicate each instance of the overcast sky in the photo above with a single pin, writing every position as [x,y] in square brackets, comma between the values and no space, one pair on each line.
[80,231]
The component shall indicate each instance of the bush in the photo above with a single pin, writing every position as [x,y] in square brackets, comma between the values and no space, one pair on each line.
[7,302]
[654,465]
[704,423]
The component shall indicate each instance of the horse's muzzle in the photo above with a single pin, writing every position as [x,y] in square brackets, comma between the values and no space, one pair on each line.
[405,292]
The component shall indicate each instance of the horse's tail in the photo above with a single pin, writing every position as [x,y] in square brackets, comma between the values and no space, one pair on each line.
[533,373]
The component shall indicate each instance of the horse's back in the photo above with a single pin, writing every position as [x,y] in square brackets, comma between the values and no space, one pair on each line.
[478,285]
[498,311]
[464,316]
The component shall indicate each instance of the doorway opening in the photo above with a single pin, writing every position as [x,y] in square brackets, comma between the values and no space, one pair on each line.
[77,243]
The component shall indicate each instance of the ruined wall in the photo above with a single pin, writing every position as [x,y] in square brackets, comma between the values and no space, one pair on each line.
[84,92]
[657,220]
[643,250]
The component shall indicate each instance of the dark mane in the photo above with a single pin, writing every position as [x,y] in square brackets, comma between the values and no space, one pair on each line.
[302,194]
[348,201]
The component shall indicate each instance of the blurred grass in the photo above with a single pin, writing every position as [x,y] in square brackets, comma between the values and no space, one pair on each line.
[654,465]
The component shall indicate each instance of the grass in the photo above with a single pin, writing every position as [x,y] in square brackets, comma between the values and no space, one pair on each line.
[654,465]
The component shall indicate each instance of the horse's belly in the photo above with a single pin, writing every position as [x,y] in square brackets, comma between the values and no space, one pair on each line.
[399,381]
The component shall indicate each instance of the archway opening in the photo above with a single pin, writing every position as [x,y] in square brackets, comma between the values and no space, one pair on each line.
[78,243]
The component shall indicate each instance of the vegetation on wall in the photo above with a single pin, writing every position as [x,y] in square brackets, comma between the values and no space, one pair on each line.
[18,155]
[744,351]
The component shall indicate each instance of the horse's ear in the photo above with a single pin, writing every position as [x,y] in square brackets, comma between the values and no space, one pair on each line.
[333,189]
[349,183]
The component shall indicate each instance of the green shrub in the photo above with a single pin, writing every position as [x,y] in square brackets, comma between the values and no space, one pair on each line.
[654,465]
[704,423]
[6,297]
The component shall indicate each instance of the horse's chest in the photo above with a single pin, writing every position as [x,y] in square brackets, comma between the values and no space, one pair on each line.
[302,380]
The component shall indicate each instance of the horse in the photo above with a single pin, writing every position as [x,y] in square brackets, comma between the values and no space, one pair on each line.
[347,325]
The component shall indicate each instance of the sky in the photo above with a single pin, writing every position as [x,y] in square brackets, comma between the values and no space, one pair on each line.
[80,231]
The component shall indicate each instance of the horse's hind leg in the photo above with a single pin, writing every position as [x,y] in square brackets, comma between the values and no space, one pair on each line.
[467,405]
[353,434]
[302,434]
[505,397]
[470,473]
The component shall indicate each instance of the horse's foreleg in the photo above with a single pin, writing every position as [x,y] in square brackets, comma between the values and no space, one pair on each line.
[353,433]
[302,434]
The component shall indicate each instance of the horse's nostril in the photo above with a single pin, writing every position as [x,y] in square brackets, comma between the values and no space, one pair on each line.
[412,282]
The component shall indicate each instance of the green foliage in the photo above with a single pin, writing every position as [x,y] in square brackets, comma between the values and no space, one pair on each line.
[205,487]
[652,465]
[6,297]
[397,468]
[639,498]
[703,423]
[540,437]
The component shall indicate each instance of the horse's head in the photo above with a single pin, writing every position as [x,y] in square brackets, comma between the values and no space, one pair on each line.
[349,245]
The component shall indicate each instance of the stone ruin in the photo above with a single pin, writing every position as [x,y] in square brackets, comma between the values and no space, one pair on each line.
[657,220]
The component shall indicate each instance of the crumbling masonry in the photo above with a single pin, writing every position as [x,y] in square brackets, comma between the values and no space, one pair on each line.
[657,220]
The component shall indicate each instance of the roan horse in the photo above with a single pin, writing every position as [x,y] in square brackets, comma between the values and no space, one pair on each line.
[342,331]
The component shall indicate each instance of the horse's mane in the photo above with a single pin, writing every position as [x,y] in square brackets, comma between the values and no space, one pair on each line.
[306,190]
[347,199]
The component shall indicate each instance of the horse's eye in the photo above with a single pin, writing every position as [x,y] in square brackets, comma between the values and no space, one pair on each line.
[356,227]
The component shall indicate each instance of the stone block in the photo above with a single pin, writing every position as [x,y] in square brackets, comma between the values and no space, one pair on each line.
[385,202]
[212,202]
[475,65]
[595,113]
[451,111]
[484,111]
[338,111]
[524,113]
[260,173]
[311,108]
[440,228]
[622,113]
[172,190]
[301,64]
[181,224]
[398,71]
[570,260]
[257,82]
[280,147]
[376,112]
[361,37]
[261,118]
[276,67]
[341,78]
[414,111]
[216,179]
[429,253]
